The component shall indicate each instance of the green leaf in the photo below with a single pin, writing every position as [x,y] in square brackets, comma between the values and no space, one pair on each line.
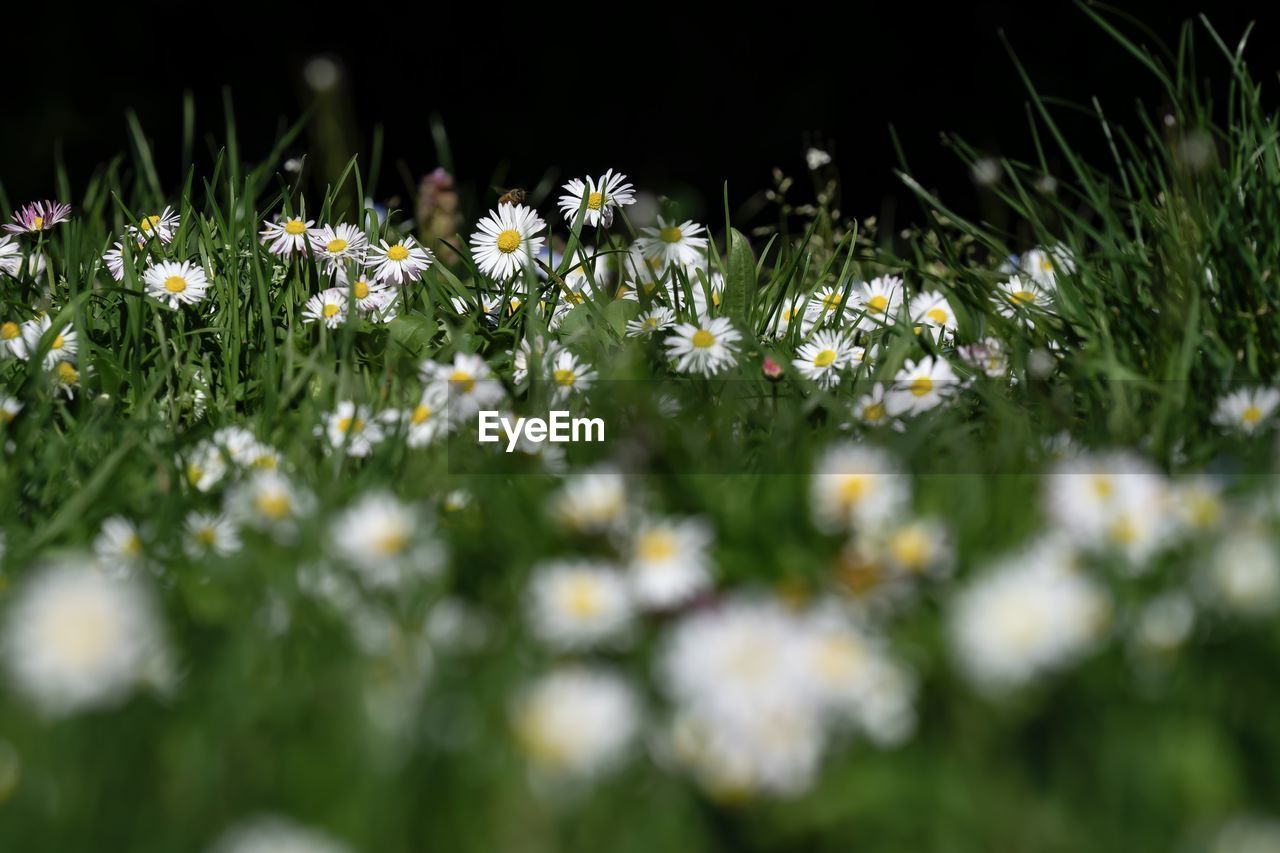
[740,280]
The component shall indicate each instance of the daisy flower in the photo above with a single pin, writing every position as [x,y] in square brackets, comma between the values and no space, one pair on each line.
[349,427]
[876,408]
[329,307]
[706,347]
[1043,266]
[922,385]
[539,349]
[63,347]
[1242,576]
[656,319]
[670,244]
[10,407]
[12,341]
[602,197]
[505,240]
[469,382]
[429,419]
[114,259]
[118,545]
[370,296]
[162,226]
[828,306]
[788,312]
[335,246]
[176,283]
[706,299]
[1247,410]
[1018,296]
[382,538]
[569,374]
[578,605]
[286,236]
[986,356]
[576,722]
[669,562]
[878,301]
[857,486]
[931,308]
[209,534]
[10,256]
[593,501]
[276,835]
[399,262]
[267,501]
[38,216]
[76,640]
[822,359]
[66,378]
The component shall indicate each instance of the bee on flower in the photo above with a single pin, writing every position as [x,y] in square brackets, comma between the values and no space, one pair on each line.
[506,240]
[601,198]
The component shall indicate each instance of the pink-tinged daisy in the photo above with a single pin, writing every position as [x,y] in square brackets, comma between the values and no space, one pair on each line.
[505,240]
[176,283]
[334,246]
[114,259]
[671,244]
[38,216]
[329,307]
[399,262]
[601,197]
[160,226]
[286,236]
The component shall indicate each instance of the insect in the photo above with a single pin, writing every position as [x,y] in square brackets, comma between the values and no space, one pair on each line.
[515,195]
[606,217]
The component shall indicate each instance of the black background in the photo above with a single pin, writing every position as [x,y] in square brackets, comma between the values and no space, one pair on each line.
[679,97]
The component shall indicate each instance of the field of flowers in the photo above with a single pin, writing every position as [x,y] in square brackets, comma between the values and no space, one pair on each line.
[950,539]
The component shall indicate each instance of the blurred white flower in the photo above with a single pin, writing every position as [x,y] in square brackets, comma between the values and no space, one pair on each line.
[857,486]
[576,722]
[668,561]
[270,834]
[578,604]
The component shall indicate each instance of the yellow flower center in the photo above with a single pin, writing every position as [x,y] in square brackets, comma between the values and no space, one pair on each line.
[207,536]
[650,323]
[874,412]
[1022,297]
[1251,415]
[421,414]
[397,252]
[832,301]
[194,474]
[824,358]
[67,374]
[331,309]
[671,234]
[463,380]
[1123,531]
[38,223]
[565,377]
[58,343]
[335,246]
[582,598]
[274,505]
[391,542]
[656,546]
[911,547]
[877,304]
[1103,488]
[937,315]
[702,339]
[9,331]
[921,385]
[149,222]
[508,241]
[352,424]
[361,289]
[175,284]
[295,227]
[853,488]
[595,201]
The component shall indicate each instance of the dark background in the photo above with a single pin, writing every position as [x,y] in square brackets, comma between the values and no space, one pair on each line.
[679,99]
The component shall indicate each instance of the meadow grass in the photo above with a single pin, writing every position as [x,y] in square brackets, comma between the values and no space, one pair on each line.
[957,539]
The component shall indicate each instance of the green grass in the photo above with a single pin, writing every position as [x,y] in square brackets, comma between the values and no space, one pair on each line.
[276,706]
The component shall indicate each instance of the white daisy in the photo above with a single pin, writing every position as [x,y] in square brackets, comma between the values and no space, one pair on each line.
[10,255]
[788,312]
[114,259]
[351,428]
[828,307]
[63,347]
[176,283]
[1242,576]
[593,501]
[921,385]
[855,486]
[576,722]
[468,381]
[537,349]
[76,640]
[578,605]
[118,545]
[10,407]
[161,226]
[668,562]
[1043,266]
[428,420]
[385,540]
[334,246]
[369,294]
[399,262]
[878,407]
[656,319]
[707,347]
[204,467]
[12,342]
[329,307]
[878,302]
[1247,410]
[209,534]
[268,501]
[601,197]
[66,378]
[505,241]
[287,236]
[275,835]
[822,359]
[669,244]
[569,375]
[1021,298]
[932,309]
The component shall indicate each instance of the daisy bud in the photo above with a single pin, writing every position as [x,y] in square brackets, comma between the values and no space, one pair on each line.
[771,369]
